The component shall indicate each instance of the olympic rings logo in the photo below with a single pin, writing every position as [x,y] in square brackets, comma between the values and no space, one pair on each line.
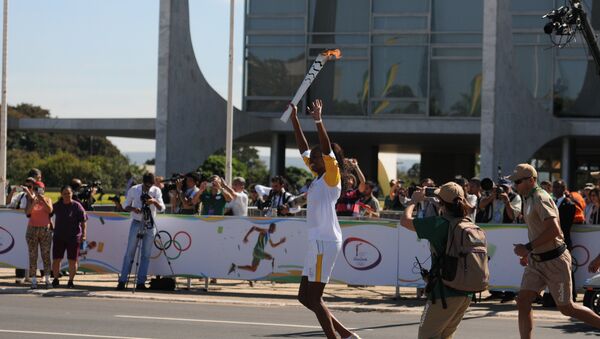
[576,263]
[180,242]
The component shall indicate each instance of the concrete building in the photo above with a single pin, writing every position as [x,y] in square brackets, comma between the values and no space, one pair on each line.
[447,79]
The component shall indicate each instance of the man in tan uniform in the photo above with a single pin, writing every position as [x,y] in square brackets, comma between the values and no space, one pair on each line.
[546,255]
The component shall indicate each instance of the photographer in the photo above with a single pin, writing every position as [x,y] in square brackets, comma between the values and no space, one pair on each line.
[369,205]
[211,196]
[239,205]
[501,205]
[397,199]
[439,321]
[19,201]
[140,197]
[185,197]
[429,206]
[278,199]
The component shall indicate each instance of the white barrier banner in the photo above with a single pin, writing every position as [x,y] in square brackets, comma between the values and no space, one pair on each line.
[373,252]
[208,246]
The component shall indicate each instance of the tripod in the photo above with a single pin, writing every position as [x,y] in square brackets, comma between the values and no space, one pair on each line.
[147,224]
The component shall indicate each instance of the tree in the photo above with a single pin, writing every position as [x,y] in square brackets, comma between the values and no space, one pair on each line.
[215,165]
[62,157]
[256,170]
[296,177]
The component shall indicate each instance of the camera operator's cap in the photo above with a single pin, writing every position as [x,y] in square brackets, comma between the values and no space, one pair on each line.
[40,184]
[523,171]
[504,182]
[450,191]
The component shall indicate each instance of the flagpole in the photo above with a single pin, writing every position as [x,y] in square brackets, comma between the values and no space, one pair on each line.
[3,109]
[229,133]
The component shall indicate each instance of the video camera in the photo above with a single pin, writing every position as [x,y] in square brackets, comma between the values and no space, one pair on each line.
[562,21]
[84,194]
[171,183]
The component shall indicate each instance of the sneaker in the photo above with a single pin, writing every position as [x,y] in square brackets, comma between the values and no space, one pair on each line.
[141,287]
[231,269]
[70,284]
[120,286]
[55,282]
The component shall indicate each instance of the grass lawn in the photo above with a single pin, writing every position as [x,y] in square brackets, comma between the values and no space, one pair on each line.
[56,195]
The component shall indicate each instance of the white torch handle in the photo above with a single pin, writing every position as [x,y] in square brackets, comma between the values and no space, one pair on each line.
[308,79]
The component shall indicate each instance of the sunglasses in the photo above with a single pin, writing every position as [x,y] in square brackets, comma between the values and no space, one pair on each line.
[517,182]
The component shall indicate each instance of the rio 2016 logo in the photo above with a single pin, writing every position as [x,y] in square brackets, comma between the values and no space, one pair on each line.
[360,254]
[7,241]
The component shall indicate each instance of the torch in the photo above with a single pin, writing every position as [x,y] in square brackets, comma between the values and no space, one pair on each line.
[331,54]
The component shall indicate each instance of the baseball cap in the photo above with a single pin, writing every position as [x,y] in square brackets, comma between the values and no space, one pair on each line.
[40,184]
[504,182]
[589,186]
[523,171]
[450,191]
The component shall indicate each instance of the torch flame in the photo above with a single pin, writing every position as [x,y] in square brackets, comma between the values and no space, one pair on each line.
[332,54]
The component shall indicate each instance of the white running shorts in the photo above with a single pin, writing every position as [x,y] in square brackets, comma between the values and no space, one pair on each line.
[319,260]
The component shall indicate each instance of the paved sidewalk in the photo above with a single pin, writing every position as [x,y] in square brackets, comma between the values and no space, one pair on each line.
[265,294]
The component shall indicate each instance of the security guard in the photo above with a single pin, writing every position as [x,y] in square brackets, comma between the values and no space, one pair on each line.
[546,255]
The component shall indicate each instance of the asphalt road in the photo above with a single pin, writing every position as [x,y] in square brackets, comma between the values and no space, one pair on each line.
[32,316]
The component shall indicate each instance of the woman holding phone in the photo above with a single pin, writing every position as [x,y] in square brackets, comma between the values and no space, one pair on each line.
[39,233]
[325,235]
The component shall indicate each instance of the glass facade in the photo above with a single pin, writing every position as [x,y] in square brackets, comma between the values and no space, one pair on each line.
[405,57]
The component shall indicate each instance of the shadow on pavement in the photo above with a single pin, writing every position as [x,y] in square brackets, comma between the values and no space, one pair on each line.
[575,327]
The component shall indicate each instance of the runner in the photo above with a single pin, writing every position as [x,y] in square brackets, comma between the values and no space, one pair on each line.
[264,236]
[546,257]
[325,235]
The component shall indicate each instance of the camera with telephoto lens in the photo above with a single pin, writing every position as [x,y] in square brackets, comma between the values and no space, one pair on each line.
[171,183]
[115,198]
[144,198]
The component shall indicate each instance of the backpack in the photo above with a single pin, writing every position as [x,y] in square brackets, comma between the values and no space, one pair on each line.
[464,265]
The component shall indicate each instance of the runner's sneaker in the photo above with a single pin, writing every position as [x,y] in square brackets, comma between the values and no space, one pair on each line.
[70,284]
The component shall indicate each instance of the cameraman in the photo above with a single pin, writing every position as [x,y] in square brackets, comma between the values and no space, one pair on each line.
[153,200]
[278,199]
[185,204]
[84,194]
[502,205]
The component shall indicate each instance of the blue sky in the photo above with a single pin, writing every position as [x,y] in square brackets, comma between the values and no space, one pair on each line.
[98,58]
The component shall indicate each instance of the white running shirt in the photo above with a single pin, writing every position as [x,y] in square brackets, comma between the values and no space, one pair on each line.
[322,195]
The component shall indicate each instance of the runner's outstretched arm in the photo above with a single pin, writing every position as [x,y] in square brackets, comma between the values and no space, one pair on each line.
[300,138]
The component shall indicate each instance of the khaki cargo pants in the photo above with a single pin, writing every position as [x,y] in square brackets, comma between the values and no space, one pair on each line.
[437,322]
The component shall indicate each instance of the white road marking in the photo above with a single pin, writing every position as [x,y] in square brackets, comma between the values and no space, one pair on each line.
[216,321]
[70,334]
